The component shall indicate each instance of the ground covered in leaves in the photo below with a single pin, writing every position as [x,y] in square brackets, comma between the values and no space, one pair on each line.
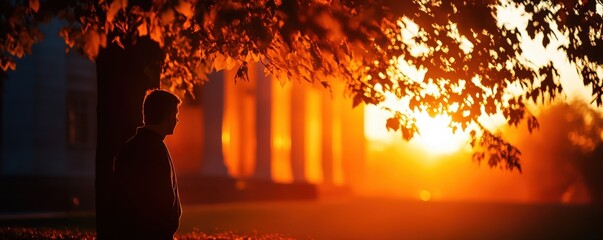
[10,233]
[357,218]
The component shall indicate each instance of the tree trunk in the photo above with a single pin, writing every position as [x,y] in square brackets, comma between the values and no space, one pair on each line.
[123,77]
[3,77]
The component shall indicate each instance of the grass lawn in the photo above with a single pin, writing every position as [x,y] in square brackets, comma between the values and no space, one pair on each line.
[358,219]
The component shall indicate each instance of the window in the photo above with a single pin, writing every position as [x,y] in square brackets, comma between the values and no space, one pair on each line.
[77,129]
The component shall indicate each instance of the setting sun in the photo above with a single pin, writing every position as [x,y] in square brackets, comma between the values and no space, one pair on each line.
[435,137]
[425,195]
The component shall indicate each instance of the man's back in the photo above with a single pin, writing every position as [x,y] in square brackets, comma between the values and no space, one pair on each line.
[145,196]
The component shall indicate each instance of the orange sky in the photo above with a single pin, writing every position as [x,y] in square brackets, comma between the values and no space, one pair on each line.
[438,165]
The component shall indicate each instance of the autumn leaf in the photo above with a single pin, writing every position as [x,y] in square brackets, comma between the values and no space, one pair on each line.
[393,123]
[242,73]
[117,40]
[34,5]
[185,8]
[356,100]
[230,63]
[219,62]
[166,17]
[408,133]
[7,64]
[532,123]
[93,43]
[157,33]
[115,7]
[142,29]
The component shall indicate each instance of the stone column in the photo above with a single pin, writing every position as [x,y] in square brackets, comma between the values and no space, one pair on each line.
[353,143]
[298,131]
[327,137]
[263,167]
[213,111]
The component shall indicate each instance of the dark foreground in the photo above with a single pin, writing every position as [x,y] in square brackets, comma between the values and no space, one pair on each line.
[349,219]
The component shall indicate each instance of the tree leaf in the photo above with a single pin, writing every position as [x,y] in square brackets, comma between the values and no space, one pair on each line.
[219,62]
[115,7]
[185,8]
[393,123]
[143,29]
[34,5]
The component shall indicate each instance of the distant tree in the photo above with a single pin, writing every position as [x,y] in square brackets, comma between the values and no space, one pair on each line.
[470,59]
[567,153]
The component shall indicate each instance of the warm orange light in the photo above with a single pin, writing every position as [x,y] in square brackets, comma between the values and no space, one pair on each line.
[281,132]
[425,195]
[436,137]
[240,185]
[313,136]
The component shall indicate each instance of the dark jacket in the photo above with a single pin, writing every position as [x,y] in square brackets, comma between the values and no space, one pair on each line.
[145,197]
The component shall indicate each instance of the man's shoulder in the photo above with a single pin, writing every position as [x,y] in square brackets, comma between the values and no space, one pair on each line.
[139,144]
[144,140]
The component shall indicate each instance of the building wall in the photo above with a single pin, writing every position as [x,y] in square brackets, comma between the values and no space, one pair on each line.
[49,111]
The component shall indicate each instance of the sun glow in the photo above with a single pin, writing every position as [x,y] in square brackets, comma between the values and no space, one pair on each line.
[425,195]
[436,137]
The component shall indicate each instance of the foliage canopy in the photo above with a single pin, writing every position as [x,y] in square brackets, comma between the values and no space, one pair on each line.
[471,61]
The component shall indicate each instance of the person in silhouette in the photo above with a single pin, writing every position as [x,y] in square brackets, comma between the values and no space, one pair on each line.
[145,193]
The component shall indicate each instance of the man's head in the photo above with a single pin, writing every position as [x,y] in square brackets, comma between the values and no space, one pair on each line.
[160,111]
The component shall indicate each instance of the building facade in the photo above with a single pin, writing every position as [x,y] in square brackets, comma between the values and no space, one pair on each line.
[260,129]
[49,112]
